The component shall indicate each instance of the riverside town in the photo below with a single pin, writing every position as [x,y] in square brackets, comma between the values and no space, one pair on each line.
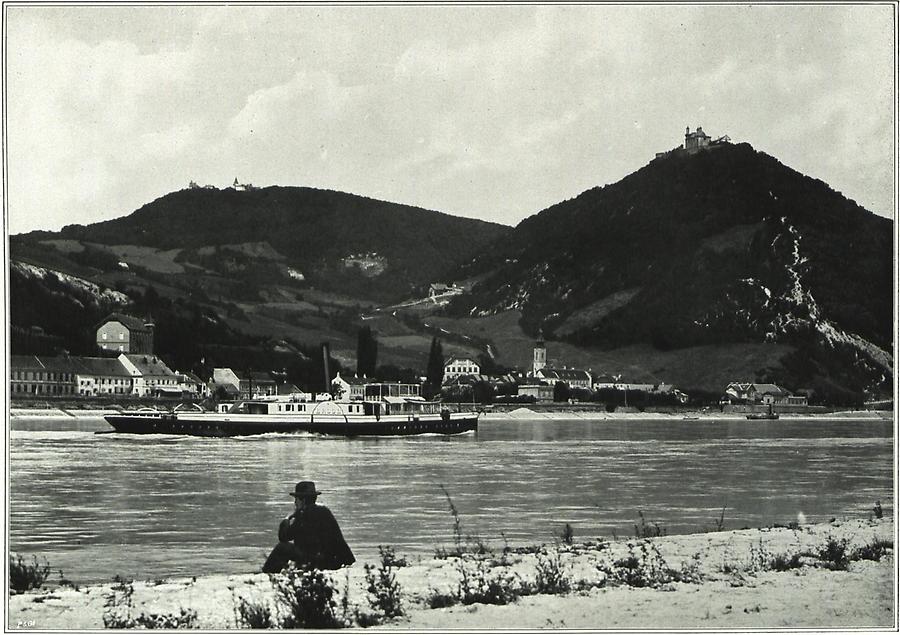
[520,317]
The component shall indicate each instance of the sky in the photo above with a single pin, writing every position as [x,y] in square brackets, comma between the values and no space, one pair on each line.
[489,112]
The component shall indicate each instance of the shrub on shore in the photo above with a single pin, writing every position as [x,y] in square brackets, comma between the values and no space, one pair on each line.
[24,576]
[645,567]
[306,599]
[551,578]
[119,607]
[874,550]
[648,529]
[382,590]
[835,553]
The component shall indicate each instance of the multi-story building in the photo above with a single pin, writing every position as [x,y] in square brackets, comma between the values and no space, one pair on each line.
[101,376]
[456,366]
[150,376]
[120,333]
[43,376]
[573,377]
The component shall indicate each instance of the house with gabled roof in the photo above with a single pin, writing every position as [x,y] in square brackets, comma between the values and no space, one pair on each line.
[103,376]
[191,385]
[150,376]
[456,366]
[350,388]
[761,393]
[573,377]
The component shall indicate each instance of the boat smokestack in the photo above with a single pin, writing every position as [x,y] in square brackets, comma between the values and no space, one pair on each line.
[326,353]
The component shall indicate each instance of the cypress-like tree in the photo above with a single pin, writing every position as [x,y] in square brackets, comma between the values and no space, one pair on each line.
[366,353]
[434,374]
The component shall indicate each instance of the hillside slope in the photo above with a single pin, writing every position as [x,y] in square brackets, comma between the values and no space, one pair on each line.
[723,246]
[333,239]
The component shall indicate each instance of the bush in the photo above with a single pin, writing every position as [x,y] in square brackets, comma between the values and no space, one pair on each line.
[551,578]
[383,590]
[644,567]
[307,599]
[23,576]
[835,554]
[785,562]
[875,550]
[249,614]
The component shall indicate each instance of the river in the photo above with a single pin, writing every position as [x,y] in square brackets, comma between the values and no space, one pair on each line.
[151,507]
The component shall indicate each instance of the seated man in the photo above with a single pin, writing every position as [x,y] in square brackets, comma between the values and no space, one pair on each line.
[317,539]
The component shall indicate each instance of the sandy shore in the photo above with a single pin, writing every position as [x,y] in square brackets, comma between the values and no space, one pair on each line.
[730,588]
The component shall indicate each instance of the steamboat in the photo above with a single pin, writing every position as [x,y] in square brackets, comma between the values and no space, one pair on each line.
[386,409]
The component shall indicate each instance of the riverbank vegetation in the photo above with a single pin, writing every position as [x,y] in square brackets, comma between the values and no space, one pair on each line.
[843,557]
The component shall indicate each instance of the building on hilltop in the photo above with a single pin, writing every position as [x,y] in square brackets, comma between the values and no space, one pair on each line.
[695,142]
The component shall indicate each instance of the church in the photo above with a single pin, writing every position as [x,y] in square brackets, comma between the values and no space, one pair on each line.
[573,377]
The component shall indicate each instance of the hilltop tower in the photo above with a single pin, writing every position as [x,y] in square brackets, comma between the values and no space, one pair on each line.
[540,354]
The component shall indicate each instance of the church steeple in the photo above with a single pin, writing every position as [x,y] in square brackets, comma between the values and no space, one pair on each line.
[540,353]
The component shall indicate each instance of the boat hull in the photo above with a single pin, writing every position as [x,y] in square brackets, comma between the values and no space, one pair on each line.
[246,425]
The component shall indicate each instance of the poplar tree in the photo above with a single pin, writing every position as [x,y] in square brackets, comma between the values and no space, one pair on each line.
[434,374]
[366,353]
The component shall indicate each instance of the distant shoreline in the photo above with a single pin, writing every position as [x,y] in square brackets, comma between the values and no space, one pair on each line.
[523,413]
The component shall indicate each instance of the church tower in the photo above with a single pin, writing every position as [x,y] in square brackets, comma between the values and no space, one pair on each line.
[540,354]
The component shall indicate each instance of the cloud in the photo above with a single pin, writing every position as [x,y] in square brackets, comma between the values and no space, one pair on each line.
[493,112]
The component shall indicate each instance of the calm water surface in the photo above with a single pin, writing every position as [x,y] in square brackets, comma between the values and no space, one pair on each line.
[162,506]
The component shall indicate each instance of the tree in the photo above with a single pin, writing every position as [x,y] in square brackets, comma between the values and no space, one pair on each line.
[434,374]
[561,391]
[366,353]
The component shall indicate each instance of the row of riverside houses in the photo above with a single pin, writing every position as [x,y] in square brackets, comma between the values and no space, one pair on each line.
[128,375]
[132,375]
[540,381]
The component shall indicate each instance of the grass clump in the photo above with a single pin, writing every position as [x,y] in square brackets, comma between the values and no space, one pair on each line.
[644,567]
[483,577]
[24,576]
[648,530]
[551,578]
[251,614]
[119,608]
[785,562]
[568,534]
[874,550]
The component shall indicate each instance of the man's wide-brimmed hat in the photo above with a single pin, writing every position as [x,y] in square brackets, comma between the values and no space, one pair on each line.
[305,489]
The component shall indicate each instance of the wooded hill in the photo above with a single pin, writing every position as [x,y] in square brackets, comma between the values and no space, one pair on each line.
[722,246]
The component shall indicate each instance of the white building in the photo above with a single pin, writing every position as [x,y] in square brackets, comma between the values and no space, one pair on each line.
[457,366]
[150,376]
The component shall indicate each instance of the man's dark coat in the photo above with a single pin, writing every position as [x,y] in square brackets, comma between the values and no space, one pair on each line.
[317,539]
